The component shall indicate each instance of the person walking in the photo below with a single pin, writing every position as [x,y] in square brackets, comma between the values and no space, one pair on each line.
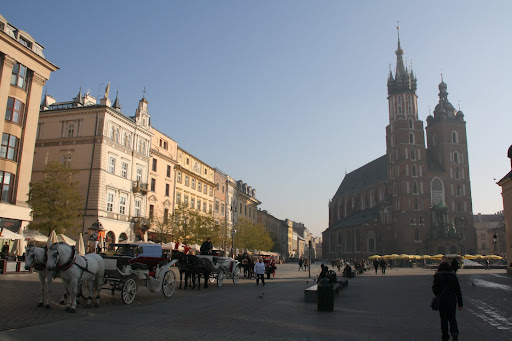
[446,286]
[383,265]
[300,264]
[259,271]
[454,265]
[376,264]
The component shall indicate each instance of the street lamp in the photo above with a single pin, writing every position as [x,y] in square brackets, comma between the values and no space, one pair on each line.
[233,232]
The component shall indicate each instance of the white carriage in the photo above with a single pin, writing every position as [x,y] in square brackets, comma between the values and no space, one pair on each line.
[223,268]
[136,265]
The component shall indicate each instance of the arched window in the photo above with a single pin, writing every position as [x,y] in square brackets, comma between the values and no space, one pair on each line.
[409,104]
[416,205]
[455,138]
[421,221]
[457,174]
[459,191]
[125,140]
[412,222]
[414,172]
[71,130]
[437,191]
[122,237]
[110,239]
[411,138]
[116,135]
[411,123]
[413,154]
[455,157]
[414,187]
[371,241]
[111,132]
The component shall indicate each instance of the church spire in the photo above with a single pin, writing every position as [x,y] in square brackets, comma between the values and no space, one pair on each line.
[116,104]
[404,80]
[400,67]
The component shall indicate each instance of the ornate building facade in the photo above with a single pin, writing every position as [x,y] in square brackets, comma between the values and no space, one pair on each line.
[23,72]
[416,198]
[111,151]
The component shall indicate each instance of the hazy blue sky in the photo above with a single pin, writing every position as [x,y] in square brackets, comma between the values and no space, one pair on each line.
[286,95]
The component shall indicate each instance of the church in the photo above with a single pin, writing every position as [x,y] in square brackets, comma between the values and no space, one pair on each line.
[415,199]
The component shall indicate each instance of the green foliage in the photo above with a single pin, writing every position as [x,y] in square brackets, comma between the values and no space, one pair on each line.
[162,226]
[55,201]
[252,236]
[193,227]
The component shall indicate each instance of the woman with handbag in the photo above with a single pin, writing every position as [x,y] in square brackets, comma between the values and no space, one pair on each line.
[447,288]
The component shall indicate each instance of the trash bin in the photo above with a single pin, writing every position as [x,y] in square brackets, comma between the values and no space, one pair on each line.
[331,276]
[325,295]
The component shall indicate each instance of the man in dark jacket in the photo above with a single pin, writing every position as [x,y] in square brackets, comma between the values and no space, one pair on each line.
[206,247]
[376,264]
[446,286]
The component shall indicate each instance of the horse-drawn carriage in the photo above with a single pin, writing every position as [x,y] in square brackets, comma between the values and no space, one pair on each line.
[223,267]
[135,265]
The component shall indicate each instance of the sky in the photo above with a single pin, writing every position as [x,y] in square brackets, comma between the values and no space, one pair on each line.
[287,95]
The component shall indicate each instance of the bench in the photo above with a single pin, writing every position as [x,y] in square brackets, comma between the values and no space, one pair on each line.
[310,294]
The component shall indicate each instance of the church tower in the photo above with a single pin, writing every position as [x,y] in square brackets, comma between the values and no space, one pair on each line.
[406,154]
[452,217]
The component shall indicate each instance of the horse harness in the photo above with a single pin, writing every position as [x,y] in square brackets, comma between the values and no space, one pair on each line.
[72,261]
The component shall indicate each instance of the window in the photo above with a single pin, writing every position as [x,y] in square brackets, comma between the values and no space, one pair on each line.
[416,205]
[421,220]
[110,201]
[192,202]
[9,148]
[168,171]
[116,135]
[179,177]
[154,165]
[216,206]
[166,215]
[14,111]
[413,171]
[454,137]
[122,203]
[457,174]
[139,174]
[204,206]
[7,182]
[19,76]
[185,201]
[165,145]
[417,235]
[153,184]
[211,191]
[199,186]
[205,189]
[111,165]
[178,198]
[167,187]
[413,154]
[25,42]
[124,170]
[71,129]
[222,209]
[210,208]
[455,157]
[151,211]
[137,207]
[66,160]
[414,187]
[411,125]
[186,180]
[437,191]
[193,183]
[411,138]
[111,134]
[198,205]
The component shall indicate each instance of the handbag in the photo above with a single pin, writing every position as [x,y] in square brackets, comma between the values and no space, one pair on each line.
[435,304]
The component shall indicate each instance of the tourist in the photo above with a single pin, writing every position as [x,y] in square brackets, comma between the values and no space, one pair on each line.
[259,271]
[446,286]
[323,273]
[454,265]
[206,247]
[5,250]
[383,265]
[300,264]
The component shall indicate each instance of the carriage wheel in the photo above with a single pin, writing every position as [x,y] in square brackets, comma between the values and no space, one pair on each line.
[236,275]
[129,291]
[169,283]
[220,278]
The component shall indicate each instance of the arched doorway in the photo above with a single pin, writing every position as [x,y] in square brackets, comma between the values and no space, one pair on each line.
[122,237]
[110,238]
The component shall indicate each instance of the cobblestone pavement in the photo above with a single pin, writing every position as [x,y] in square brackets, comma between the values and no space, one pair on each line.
[394,306]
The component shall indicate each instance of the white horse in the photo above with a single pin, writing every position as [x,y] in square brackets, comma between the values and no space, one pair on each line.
[36,257]
[75,269]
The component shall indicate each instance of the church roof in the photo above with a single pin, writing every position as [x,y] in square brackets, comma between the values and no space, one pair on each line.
[372,173]
[358,218]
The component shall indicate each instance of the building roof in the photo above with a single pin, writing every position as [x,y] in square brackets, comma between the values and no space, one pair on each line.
[358,218]
[370,174]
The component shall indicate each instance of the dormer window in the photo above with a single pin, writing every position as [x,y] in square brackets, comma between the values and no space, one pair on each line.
[25,42]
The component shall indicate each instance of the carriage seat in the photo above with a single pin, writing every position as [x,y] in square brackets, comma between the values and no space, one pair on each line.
[150,262]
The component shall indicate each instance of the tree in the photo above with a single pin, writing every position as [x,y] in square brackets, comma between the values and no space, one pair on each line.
[55,200]
[252,236]
[162,226]
[191,226]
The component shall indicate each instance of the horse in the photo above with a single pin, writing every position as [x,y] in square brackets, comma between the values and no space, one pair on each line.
[75,269]
[247,263]
[36,257]
[193,267]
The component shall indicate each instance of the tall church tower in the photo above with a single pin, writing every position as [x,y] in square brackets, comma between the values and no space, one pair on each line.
[452,217]
[406,153]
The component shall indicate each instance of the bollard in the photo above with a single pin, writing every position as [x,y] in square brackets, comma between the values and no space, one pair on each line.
[325,295]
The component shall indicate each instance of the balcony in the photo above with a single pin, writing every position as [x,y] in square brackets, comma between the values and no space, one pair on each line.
[141,223]
[140,187]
